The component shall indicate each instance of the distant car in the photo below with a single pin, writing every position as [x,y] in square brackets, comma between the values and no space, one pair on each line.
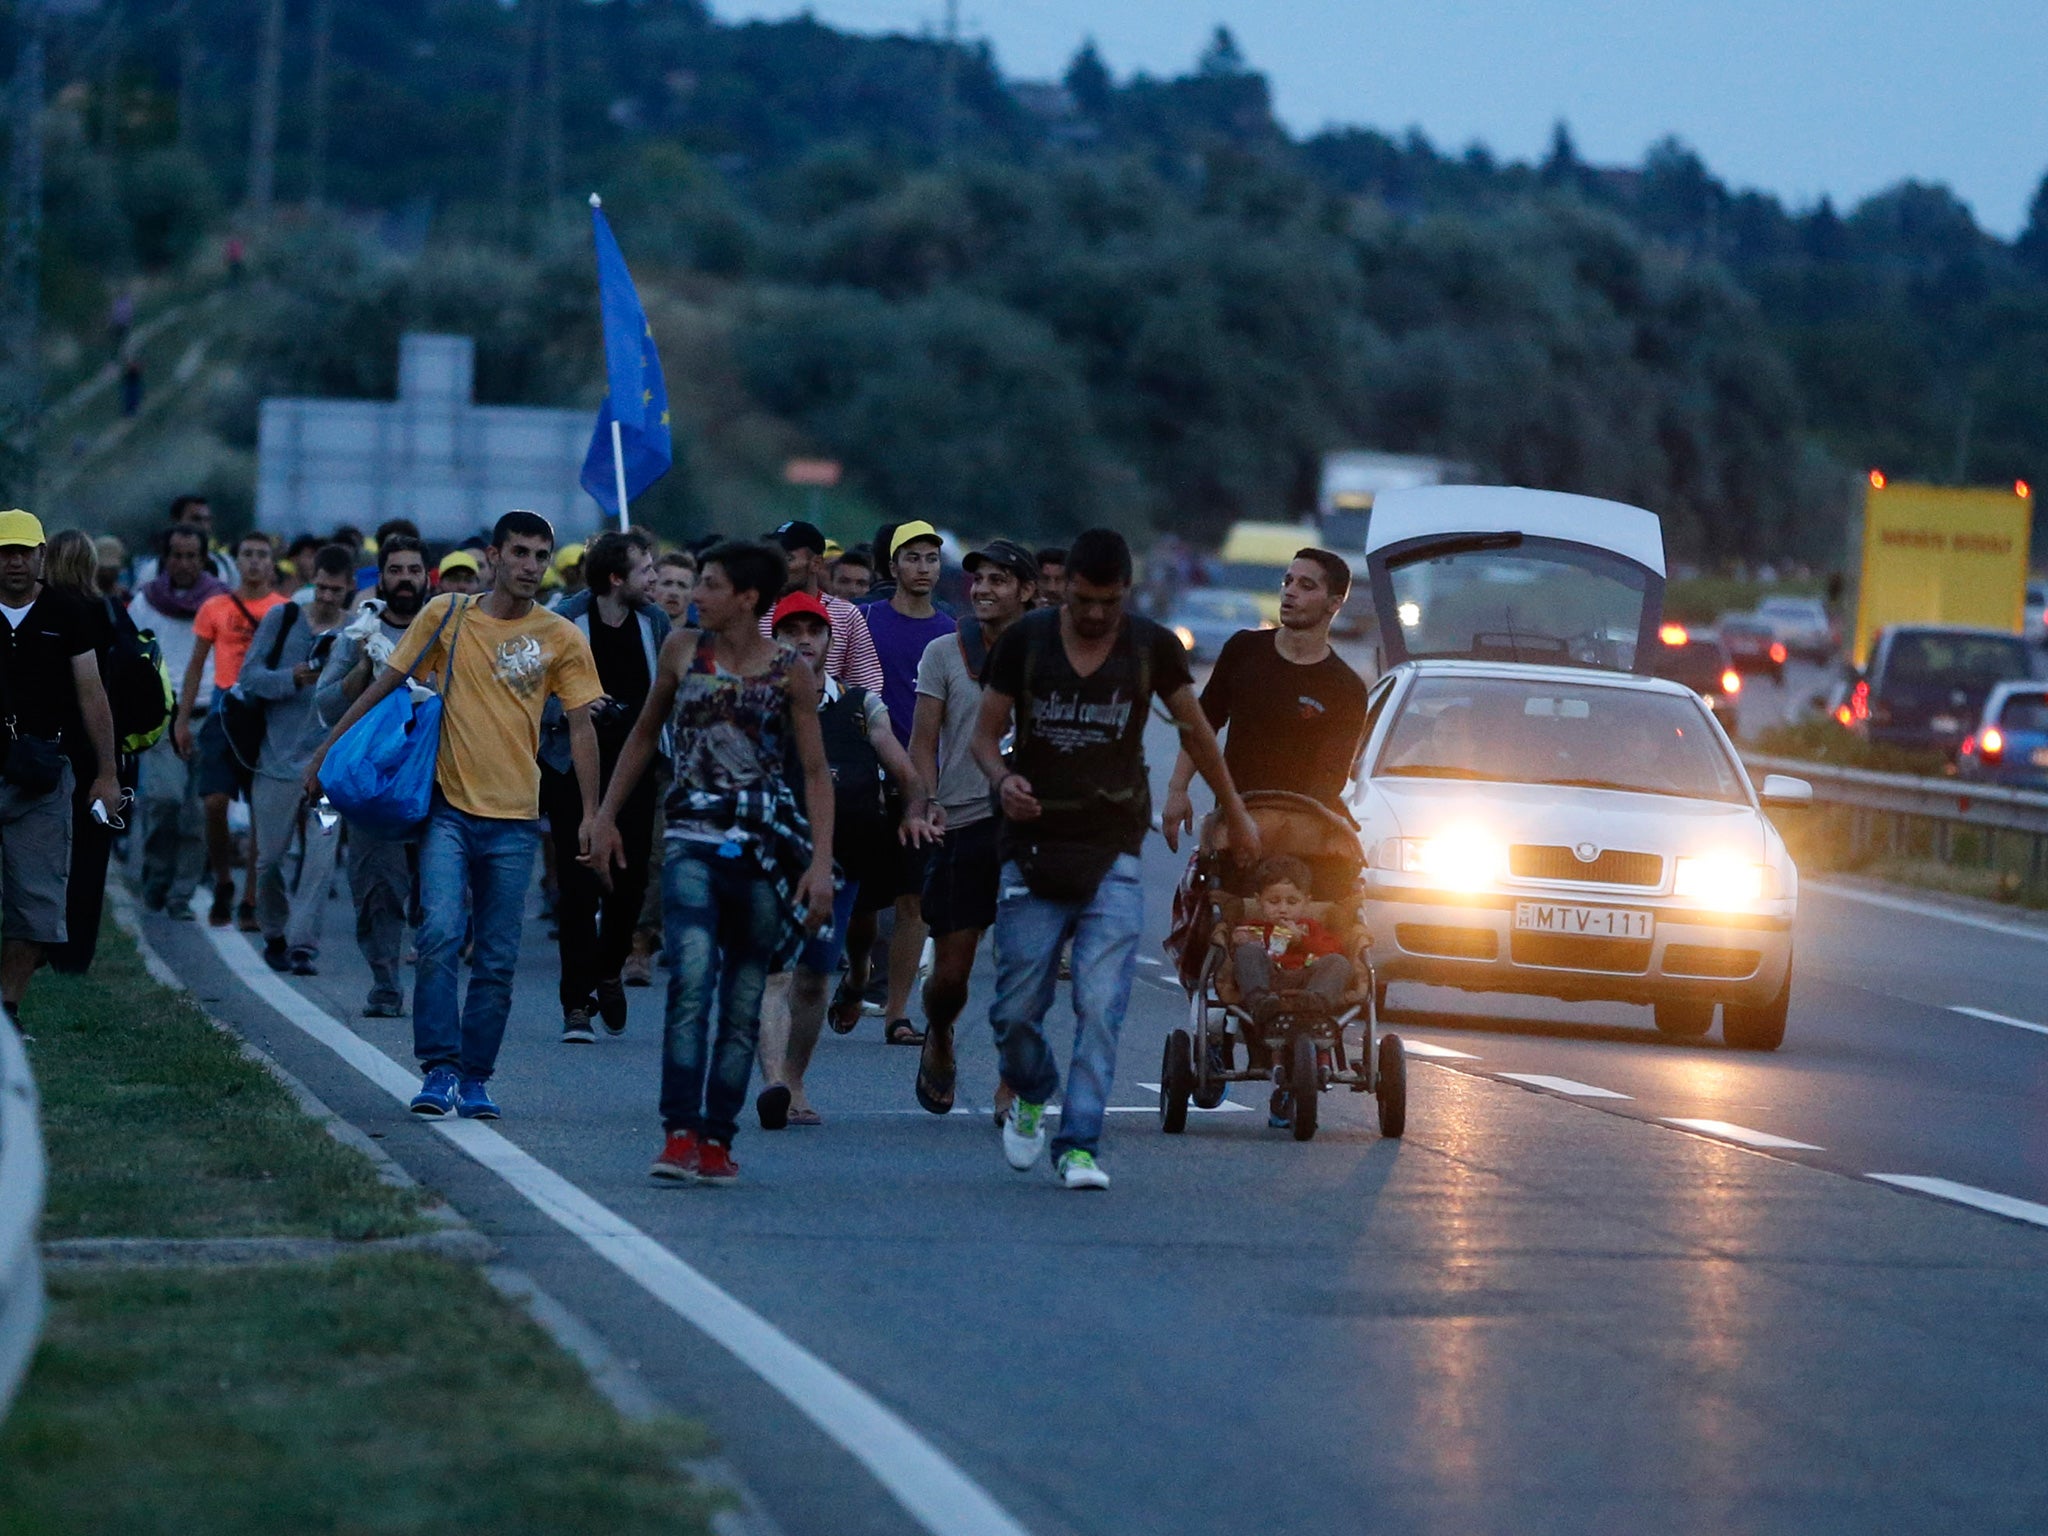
[1701,662]
[1207,616]
[1802,625]
[2010,743]
[1754,646]
[1926,685]
[2035,626]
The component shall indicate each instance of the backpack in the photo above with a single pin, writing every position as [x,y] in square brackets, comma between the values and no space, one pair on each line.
[139,688]
[247,721]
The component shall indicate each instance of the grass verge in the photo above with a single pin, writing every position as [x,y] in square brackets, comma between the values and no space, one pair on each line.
[386,1391]
[158,1126]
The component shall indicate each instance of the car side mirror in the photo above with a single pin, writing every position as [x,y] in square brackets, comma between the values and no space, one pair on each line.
[1783,792]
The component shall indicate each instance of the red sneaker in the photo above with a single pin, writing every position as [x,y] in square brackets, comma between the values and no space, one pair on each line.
[714,1161]
[678,1162]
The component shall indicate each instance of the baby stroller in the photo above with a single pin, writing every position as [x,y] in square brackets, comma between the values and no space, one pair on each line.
[1300,1043]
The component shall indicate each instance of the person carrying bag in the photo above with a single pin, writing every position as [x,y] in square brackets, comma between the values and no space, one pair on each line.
[380,774]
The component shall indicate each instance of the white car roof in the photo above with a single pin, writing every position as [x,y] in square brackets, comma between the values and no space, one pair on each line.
[1436,510]
[1522,672]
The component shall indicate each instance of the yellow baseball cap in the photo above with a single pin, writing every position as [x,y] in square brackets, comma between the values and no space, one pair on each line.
[458,560]
[833,550]
[908,531]
[19,529]
[568,555]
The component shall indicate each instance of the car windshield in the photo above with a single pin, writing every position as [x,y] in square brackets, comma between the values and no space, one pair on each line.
[1959,659]
[1528,600]
[1508,731]
[1808,608]
[1696,663]
[1233,607]
[2026,713]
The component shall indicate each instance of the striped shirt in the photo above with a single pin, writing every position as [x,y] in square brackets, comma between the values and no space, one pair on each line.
[851,656]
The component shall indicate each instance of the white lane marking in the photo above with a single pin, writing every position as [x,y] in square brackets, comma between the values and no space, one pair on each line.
[2038,935]
[1227,1107]
[1965,1194]
[1998,1018]
[1148,960]
[936,1493]
[1438,1052]
[1743,1134]
[1568,1085]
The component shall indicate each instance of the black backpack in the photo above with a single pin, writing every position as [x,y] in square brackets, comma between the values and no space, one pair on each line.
[138,683]
[247,721]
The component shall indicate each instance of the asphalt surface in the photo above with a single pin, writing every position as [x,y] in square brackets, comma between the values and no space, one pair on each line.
[1540,1311]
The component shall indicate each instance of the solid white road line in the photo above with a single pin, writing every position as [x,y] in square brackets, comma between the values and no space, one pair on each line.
[1568,1085]
[1435,1052]
[1998,1018]
[1227,1107]
[2038,935]
[1743,1134]
[936,1493]
[1965,1194]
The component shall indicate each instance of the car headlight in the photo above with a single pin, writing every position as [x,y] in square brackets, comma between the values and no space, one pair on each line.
[1459,858]
[1719,880]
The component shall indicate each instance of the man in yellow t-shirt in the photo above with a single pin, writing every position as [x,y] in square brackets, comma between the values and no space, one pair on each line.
[502,657]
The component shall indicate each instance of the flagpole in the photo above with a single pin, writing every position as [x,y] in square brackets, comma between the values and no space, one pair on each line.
[619,472]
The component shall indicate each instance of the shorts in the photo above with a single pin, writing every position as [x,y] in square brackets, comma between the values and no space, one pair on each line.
[820,954]
[213,761]
[897,871]
[960,879]
[35,861]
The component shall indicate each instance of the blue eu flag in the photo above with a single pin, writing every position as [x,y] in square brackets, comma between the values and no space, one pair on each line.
[635,397]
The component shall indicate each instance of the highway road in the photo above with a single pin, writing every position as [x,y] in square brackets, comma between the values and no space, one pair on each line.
[1606,1283]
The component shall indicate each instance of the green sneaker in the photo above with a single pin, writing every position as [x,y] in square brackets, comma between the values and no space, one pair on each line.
[1024,1135]
[1079,1170]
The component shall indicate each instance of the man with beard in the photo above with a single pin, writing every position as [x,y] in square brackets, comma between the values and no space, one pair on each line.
[173,825]
[962,870]
[379,868]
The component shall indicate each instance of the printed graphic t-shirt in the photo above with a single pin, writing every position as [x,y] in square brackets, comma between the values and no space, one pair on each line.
[219,622]
[1292,727]
[503,671]
[1081,740]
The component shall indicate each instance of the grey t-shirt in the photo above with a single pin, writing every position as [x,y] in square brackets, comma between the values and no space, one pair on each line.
[963,788]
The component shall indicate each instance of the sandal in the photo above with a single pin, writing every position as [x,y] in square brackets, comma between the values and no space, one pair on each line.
[935,1089]
[903,1032]
[805,1116]
[844,1013]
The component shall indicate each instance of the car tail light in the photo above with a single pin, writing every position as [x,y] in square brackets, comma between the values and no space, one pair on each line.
[1778,652]
[1992,745]
[1859,702]
[1969,745]
[1842,715]
[1731,682]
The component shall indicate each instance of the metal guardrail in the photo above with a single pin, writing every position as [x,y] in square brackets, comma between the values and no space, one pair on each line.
[1883,807]
[21,1212]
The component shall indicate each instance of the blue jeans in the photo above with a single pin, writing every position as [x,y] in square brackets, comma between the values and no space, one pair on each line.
[723,921]
[1030,932]
[467,860]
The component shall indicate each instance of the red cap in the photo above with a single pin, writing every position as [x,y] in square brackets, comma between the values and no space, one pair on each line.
[798,602]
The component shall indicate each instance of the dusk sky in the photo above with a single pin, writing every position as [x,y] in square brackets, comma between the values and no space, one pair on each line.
[1798,97]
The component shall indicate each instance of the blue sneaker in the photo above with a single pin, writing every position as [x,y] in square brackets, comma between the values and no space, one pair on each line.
[473,1100]
[437,1094]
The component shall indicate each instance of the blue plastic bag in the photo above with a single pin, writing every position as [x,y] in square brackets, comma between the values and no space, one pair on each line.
[380,775]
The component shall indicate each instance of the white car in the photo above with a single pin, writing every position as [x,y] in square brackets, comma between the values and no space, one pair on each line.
[1801,625]
[1537,816]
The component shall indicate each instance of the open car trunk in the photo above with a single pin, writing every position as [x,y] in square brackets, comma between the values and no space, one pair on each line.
[1498,573]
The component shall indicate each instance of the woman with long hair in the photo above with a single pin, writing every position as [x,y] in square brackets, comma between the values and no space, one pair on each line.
[71,565]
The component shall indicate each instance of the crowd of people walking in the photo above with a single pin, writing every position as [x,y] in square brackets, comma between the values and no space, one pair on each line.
[741,759]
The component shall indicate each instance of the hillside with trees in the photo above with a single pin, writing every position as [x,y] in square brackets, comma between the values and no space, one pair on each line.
[1026,305]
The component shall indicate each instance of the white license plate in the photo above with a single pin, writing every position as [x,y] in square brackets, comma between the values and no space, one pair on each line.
[1947,725]
[1582,922]
[2039,757]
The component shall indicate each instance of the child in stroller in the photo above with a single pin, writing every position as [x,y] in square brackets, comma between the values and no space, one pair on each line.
[1282,957]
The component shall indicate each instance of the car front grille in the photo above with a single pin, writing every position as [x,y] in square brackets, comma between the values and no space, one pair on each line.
[1710,960]
[1546,861]
[1561,952]
[1449,940]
